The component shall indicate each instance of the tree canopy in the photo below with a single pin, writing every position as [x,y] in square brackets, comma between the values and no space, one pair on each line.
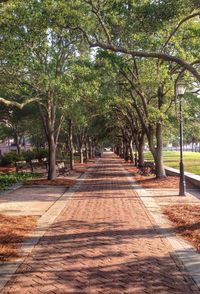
[105,71]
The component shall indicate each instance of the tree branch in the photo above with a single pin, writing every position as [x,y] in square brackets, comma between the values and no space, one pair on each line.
[16,104]
[163,56]
[96,12]
[178,26]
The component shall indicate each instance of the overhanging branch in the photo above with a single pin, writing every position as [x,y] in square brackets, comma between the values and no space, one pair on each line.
[157,55]
[179,25]
[16,104]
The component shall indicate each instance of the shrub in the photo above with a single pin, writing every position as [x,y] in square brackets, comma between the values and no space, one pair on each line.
[29,155]
[10,158]
[41,153]
[61,155]
[11,178]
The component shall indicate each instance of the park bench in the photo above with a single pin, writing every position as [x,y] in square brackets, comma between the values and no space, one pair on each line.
[97,154]
[62,168]
[34,164]
[20,165]
[44,162]
[147,168]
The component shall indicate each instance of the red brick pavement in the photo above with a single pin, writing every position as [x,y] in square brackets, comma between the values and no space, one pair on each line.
[103,242]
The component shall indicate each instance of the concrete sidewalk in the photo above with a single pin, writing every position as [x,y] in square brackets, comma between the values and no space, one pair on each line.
[30,200]
[104,241]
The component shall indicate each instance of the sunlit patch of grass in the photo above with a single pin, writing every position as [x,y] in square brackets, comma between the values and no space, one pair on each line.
[171,159]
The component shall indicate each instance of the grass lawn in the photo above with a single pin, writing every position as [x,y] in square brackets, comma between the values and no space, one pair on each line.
[171,158]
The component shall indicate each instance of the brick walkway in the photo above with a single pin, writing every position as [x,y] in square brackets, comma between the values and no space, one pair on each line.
[103,242]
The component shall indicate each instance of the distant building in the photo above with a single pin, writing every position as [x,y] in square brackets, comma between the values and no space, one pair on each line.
[9,145]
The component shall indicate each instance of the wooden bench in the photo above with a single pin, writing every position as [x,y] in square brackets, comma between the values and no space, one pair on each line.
[148,168]
[62,169]
[97,154]
[44,162]
[20,165]
[34,164]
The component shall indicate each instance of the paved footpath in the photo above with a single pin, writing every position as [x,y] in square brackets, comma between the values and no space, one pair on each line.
[104,241]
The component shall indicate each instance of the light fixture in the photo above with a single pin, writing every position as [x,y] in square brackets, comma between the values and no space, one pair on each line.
[180,89]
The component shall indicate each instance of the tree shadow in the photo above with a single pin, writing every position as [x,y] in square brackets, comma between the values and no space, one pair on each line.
[101,257]
[104,256]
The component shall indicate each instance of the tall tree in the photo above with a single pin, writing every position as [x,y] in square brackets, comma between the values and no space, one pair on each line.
[38,65]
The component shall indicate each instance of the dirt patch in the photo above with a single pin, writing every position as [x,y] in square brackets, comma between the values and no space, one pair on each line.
[56,182]
[186,220]
[13,231]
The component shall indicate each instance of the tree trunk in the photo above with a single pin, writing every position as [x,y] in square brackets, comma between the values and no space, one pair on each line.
[124,149]
[160,171]
[118,150]
[93,148]
[126,157]
[192,146]
[17,143]
[81,154]
[141,150]
[52,159]
[86,150]
[141,155]
[131,150]
[71,147]
[48,117]
[90,148]
[18,148]
[157,151]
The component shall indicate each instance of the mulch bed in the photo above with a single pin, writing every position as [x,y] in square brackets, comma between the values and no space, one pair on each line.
[56,182]
[171,182]
[151,182]
[7,169]
[186,220]
[13,231]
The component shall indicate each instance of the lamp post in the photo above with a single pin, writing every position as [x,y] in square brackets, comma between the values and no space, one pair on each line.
[182,186]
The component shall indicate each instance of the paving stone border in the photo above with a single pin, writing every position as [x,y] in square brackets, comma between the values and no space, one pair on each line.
[183,250]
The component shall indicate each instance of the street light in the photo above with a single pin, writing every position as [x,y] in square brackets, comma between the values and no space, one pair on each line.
[181,88]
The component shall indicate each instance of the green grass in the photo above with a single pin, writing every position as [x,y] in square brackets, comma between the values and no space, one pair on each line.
[171,159]
[8,179]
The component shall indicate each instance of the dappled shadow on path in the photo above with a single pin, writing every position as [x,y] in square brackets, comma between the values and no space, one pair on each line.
[101,257]
[103,242]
